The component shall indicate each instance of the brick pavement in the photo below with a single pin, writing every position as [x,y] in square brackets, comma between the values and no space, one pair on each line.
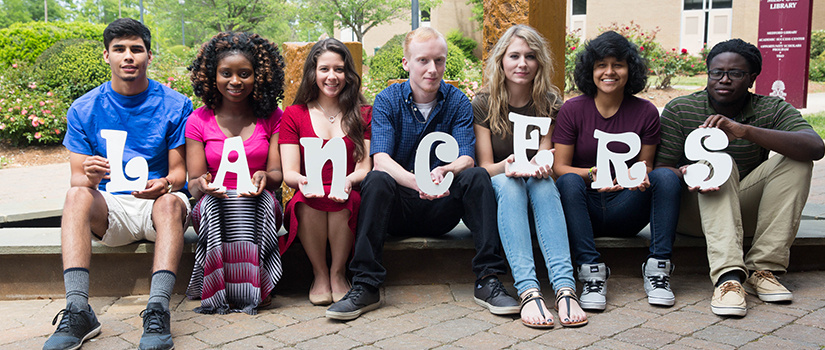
[445,317]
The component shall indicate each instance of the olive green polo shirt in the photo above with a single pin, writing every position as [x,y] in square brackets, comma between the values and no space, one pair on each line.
[684,114]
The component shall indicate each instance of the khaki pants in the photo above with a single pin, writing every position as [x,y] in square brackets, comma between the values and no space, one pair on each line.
[767,204]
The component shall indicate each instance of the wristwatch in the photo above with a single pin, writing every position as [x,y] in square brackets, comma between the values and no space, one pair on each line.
[168,185]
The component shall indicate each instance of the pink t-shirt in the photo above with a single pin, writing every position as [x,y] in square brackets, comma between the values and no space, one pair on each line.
[202,127]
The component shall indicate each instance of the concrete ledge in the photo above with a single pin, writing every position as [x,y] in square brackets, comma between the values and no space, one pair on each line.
[32,262]
[46,240]
[41,199]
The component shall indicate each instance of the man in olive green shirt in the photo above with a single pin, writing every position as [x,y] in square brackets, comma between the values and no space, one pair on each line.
[763,197]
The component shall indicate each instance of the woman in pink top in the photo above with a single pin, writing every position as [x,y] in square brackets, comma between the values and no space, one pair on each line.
[328,104]
[240,78]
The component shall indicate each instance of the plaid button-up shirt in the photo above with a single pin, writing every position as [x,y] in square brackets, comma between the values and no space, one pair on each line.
[398,126]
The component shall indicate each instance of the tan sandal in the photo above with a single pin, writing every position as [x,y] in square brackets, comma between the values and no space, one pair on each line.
[568,293]
[535,295]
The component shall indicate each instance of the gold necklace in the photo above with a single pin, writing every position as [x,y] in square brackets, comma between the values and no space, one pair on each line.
[332,117]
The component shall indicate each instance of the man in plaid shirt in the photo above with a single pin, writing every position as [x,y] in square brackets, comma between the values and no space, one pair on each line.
[392,202]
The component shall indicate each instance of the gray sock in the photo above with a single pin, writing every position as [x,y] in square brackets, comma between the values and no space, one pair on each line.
[76,280]
[162,283]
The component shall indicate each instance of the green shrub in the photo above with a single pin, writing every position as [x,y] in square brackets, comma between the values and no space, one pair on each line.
[816,69]
[168,67]
[396,40]
[455,63]
[572,47]
[663,64]
[73,67]
[817,43]
[467,45]
[181,51]
[696,64]
[29,115]
[386,64]
[24,42]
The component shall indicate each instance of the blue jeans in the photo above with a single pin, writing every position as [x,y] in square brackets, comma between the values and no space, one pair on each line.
[514,196]
[624,213]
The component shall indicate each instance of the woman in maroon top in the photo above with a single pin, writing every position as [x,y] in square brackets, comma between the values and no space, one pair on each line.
[328,104]
[609,71]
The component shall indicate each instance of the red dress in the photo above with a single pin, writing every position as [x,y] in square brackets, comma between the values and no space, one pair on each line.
[296,124]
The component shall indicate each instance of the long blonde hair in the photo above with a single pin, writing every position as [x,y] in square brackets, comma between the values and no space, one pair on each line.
[545,96]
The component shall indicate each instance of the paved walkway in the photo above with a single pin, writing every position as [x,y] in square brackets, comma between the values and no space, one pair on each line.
[445,317]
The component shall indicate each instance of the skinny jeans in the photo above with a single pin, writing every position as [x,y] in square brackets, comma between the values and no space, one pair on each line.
[624,213]
[516,198]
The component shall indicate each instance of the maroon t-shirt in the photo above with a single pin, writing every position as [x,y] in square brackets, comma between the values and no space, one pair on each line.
[578,118]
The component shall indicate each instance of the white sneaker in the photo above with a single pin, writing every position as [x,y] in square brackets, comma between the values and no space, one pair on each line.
[656,275]
[593,278]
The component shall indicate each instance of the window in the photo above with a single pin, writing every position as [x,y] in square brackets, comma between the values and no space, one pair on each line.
[425,15]
[579,7]
[693,4]
[707,4]
[721,4]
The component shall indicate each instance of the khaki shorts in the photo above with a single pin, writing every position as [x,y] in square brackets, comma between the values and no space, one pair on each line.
[130,219]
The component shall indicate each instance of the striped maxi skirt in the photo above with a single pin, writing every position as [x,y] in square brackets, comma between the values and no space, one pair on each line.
[237,263]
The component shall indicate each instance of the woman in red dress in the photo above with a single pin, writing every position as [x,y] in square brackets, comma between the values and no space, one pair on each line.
[328,105]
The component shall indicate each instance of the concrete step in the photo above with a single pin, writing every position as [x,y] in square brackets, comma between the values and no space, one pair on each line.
[31,260]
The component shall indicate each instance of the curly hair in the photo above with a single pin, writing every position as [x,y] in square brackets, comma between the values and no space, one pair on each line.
[350,99]
[610,44]
[545,96]
[267,64]
[738,46]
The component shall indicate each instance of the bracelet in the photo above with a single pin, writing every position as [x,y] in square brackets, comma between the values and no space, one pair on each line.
[590,173]
[168,185]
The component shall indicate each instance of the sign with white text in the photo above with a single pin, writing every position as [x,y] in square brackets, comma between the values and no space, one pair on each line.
[785,44]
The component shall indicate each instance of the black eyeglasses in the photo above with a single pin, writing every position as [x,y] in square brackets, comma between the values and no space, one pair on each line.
[735,74]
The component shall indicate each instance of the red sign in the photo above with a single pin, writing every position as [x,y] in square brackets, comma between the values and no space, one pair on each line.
[784,40]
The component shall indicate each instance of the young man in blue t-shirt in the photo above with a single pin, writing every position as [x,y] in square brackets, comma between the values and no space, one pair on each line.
[151,117]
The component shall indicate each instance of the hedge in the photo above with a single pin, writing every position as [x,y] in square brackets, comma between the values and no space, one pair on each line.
[24,42]
[73,67]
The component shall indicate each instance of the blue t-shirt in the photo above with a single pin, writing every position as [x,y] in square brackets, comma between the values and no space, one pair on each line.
[154,119]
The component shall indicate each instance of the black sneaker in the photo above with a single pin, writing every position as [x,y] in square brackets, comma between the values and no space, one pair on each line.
[156,332]
[76,326]
[357,301]
[490,293]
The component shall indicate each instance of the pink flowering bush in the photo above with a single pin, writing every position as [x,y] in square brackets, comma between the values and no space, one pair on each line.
[169,68]
[471,84]
[572,47]
[663,63]
[29,116]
